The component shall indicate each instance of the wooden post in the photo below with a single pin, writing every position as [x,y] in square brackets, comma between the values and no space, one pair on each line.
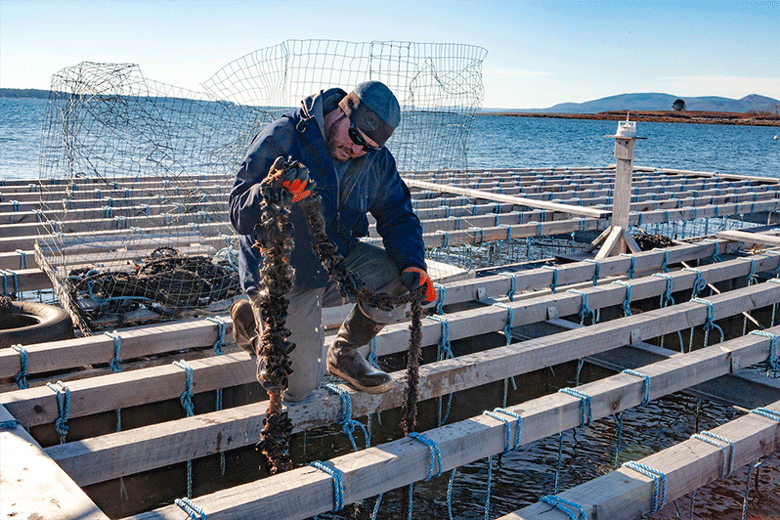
[616,239]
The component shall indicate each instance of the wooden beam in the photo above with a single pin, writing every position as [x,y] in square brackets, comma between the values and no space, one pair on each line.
[749,239]
[35,406]
[169,337]
[751,178]
[520,201]
[115,454]
[687,466]
[612,243]
[739,388]
[34,486]
[306,491]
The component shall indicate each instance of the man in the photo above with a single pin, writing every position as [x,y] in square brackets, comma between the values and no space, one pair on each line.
[340,138]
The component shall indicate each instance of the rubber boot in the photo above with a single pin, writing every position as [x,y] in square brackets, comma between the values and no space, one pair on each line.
[345,361]
[244,327]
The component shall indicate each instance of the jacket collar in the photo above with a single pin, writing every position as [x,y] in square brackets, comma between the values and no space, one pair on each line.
[317,105]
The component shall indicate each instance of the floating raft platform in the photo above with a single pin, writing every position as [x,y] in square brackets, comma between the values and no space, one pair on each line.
[515,287]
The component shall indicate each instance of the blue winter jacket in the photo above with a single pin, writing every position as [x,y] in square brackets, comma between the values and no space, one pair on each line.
[371,183]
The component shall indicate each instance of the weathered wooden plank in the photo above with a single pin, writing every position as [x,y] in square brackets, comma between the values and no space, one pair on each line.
[300,493]
[520,201]
[687,466]
[751,178]
[750,239]
[27,242]
[740,388]
[34,486]
[158,339]
[134,343]
[612,242]
[35,406]
[118,454]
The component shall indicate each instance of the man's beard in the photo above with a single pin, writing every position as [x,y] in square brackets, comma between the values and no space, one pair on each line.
[333,146]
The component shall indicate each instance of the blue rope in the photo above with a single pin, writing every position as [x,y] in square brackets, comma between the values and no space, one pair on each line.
[709,322]
[218,344]
[442,293]
[186,397]
[774,362]
[433,448]
[5,283]
[510,319]
[619,424]
[116,360]
[752,278]
[646,396]
[338,483]
[659,482]
[63,408]
[627,299]
[114,363]
[378,500]
[597,273]
[584,309]
[449,494]
[554,283]
[489,485]
[444,352]
[587,404]
[512,285]
[519,425]
[766,412]
[220,333]
[508,230]
[373,357]
[347,422]
[22,259]
[193,511]
[666,298]
[186,402]
[711,438]
[446,237]
[479,234]
[716,254]
[559,502]
[21,377]
[10,424]
[633,264]
[699,283]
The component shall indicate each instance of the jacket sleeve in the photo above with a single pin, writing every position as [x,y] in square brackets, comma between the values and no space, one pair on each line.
[245,196]
[396,221]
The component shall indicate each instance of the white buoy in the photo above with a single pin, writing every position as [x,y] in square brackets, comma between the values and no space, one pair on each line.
[775,138]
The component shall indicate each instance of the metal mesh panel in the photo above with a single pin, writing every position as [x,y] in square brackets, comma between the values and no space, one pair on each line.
[130,165]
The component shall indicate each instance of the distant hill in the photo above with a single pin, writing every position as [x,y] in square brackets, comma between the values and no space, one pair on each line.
[24,93]
[655,101]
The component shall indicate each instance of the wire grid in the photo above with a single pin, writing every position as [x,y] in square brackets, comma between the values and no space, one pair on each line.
[130,165]
[439,87]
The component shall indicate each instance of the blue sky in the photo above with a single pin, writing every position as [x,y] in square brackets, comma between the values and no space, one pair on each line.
[540,53]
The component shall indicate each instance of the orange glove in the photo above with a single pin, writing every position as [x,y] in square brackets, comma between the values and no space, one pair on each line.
[414,277]
[295,178]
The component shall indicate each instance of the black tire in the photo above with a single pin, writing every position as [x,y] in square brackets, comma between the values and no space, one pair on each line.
[30,322]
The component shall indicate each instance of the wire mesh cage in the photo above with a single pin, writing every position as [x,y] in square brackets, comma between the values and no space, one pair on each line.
[136,173]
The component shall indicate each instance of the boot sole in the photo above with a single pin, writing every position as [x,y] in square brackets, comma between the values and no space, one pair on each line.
[379,389]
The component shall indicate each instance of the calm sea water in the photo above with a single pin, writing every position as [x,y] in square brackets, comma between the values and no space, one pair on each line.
[520,478]
[503,141]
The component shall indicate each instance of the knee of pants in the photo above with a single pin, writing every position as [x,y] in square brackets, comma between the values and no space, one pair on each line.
[298,387]
[300,392]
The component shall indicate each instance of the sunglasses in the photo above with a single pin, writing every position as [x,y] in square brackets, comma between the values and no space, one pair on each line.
[356,138]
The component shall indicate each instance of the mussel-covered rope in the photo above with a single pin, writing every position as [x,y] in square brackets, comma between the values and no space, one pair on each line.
[274,237]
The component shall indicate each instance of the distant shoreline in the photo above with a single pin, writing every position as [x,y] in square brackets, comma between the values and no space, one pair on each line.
[646,116]
[683,116]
